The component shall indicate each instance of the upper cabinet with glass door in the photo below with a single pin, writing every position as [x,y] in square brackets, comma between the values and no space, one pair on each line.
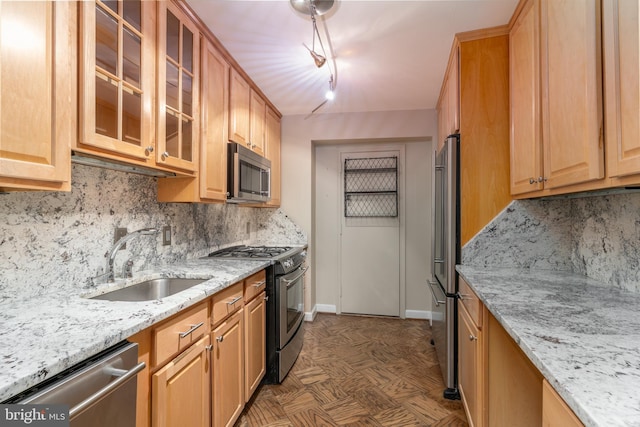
[117,80]
[178,83]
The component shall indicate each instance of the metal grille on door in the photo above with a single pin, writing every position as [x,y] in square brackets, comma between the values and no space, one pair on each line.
[371,187]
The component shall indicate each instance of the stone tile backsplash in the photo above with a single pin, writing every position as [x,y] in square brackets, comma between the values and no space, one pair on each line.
[56,242]
[596,235]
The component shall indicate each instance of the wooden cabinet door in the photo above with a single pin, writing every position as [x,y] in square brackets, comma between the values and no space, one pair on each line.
[255,344]
[37,94]
[239,105]
[178,88]
[453,94]
[180,390]
[555,412]
[524,80]
[117,72]
[228,370]
[272,143]
[621,43]
[470,367]
[215,103]
[257,115]
[571,92]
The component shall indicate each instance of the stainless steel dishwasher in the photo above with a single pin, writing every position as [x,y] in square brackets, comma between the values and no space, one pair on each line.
[100,392]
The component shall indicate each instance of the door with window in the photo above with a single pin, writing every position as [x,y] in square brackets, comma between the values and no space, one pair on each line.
[370,233]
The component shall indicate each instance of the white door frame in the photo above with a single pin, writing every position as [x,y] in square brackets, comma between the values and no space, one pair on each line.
[368,147]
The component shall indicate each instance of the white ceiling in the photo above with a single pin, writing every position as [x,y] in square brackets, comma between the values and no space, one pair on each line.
[389,55]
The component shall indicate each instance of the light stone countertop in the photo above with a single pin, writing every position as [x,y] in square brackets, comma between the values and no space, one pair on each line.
[583,337]
[42,336]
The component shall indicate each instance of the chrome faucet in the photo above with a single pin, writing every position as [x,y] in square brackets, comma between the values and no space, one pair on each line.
[111,254]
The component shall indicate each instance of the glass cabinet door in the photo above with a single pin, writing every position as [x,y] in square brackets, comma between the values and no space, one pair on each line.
[118,74]
[178,73]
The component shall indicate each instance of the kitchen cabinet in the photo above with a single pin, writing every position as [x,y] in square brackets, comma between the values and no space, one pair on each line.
[255,342]
[38,82]
[178,88]
[272,152]
[476,101]
[448,106]
[211,183]
[239,113]
[621,43]
[471,355]
[514,385]
[556,99]
[180,389]
[555,412]
[228,370]
[257,114]
[117,72]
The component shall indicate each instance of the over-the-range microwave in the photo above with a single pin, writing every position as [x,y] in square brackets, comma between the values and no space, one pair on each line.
[248,176]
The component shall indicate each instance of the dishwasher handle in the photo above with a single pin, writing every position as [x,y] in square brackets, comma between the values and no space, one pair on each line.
[123,377]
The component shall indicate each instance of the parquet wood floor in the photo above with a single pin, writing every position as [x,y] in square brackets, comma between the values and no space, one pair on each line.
[359,371]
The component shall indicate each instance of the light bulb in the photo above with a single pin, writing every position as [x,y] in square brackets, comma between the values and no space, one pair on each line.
[330,95]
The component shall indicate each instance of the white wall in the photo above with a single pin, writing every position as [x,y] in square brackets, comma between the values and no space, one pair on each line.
[299,134]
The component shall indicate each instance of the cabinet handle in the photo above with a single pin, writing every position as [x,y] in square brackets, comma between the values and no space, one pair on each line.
[209,347]
[258,284]
[220,338]
[266,297]
[532,181]
[193,328]
[235,300]
[148,150]
[472,338]
[248,144]
[542,179]
[165,155]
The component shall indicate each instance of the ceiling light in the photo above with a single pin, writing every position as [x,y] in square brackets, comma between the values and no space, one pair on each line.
[318,7]
[330,95]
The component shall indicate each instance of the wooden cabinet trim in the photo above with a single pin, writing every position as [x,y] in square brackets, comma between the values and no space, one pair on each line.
[226,302]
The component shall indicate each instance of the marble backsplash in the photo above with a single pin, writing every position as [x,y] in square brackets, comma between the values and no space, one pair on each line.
[597,236]
[56,241]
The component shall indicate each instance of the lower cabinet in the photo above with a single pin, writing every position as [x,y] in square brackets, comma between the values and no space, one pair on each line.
[555,412]
[255,344]
[499,385]
[470,380]
[205,362]
[180,390]
[228,370]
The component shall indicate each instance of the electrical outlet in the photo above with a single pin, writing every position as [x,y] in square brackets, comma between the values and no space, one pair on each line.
[166,235]
[120,233]
[248,227]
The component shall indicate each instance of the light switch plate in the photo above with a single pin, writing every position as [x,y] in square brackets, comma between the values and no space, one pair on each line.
[120,233]
[166,235]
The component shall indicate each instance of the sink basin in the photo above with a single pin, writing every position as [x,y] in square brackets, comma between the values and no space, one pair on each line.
[150,290]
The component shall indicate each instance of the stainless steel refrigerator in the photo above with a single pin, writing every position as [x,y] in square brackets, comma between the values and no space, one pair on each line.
[446,254]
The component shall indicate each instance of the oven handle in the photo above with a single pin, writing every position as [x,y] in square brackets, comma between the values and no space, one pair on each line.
[290,282]
[435,298]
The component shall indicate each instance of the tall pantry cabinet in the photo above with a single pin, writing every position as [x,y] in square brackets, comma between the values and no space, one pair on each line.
[37,94]
[475,97]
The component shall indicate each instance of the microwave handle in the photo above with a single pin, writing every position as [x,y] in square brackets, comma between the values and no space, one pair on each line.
[268,192]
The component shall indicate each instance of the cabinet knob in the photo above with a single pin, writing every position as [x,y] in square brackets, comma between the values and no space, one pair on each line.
[209,347]
[165,155]
[248,144]
[220,338]
[472,338]
[542,179]
[266,298]
[532,180]
[148,150]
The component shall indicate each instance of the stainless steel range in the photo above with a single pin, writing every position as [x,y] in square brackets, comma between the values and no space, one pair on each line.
[285,303]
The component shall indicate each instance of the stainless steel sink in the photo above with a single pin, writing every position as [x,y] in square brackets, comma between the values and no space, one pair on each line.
[150,290]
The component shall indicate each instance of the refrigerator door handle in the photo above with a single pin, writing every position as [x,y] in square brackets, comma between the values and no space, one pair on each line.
[435,298]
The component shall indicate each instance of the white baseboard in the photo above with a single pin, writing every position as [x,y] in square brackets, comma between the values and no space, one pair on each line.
[326,308]
[417,314]
[309,316]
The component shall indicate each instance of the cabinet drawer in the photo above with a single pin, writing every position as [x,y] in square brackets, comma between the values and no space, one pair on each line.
[471,302]
[226,302]
[254,285]
[178,333]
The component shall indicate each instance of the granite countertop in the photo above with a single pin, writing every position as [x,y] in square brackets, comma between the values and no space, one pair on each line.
[43,336]
[583,337]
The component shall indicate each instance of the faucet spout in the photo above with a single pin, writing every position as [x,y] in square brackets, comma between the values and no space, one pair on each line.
[111,253]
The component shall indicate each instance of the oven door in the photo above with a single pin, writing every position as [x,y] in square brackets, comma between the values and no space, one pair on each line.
[291,303]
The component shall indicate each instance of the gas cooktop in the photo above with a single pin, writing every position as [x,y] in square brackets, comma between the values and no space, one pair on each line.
[261,252]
